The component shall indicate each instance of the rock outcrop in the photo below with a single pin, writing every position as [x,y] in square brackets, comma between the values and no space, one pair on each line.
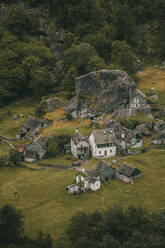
[101,92]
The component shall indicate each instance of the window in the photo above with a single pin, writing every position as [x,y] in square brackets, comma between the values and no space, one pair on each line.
[110,151]
[136,99]
[99,152]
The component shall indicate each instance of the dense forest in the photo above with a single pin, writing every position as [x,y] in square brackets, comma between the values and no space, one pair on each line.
[46,44]
[113,228]
[95,34]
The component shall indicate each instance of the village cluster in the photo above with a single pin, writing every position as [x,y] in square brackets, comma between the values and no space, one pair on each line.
[110,140]
[91,179]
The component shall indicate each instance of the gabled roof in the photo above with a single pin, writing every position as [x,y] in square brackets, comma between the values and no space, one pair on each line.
[78,137]
[129,134]
[126,170]
[30,154]
[138,92]
[32,123]
[103,136]
[40,141]
[97,170]
[143,129]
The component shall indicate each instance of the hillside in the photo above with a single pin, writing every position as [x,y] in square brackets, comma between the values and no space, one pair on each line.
[41,192]
[93,56]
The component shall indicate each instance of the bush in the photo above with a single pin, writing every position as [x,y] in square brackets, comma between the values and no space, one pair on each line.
[69,116]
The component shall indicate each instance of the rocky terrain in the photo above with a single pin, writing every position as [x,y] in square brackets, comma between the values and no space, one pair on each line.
[101,92]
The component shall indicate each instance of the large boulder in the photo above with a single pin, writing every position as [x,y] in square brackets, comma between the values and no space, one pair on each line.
[51,104]
[102,92]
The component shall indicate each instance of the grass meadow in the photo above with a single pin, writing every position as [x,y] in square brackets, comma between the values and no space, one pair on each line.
[41,192]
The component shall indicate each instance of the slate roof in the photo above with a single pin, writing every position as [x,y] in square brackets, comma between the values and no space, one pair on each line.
[129,134]
[97,170]
[103,136]
[32,123]
[30,154]
[126,170]
[40,141]
[143,129]
[138,92]
[78,137]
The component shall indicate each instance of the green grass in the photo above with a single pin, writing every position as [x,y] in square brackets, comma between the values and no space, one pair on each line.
[66,159]
[46,205]
[10,126]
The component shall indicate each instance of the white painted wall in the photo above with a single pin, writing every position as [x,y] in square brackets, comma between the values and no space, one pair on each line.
[73,148]
[103,152]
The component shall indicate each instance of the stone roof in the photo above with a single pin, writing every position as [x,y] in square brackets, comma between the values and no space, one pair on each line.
[124,112]
[32,123]
[30,154]
[129,134]
[78,137]
[97,170]
[138,92]
[143,129]
[126,170]
[103,136]
[40,141]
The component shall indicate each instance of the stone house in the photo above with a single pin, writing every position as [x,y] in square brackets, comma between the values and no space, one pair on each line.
[158,126]
[91,179]
[125,137]
[127,173]
[142,130]
[79,146]
[32,127]
[102,170]
[159,140]
[137,99]
[35,150]
[128,139]
[103,143]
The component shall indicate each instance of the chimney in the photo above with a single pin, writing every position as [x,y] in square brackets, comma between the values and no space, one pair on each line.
[76,130]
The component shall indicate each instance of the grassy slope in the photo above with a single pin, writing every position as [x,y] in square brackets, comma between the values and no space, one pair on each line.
[48,207]
[150,75]
[41,193]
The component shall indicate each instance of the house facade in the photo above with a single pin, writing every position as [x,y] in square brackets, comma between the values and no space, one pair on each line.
[91,179]
[103,143]
[35,150]
[79,146]
[137,99]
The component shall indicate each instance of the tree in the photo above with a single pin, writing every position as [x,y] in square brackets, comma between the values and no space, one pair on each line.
[123,56]
[78,56]
[11,225]
[56,145]
[68,82]
[14,156]
[96,63]
[18,21]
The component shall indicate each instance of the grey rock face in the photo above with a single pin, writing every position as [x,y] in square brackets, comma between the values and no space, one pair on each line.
[103,92]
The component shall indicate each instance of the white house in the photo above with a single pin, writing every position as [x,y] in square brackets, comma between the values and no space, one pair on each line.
[103,143]
[84,182]
[137,99]
[79,146]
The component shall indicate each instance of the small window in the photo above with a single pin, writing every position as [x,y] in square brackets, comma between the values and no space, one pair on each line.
[99,152]
[110,151]
[136,99]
